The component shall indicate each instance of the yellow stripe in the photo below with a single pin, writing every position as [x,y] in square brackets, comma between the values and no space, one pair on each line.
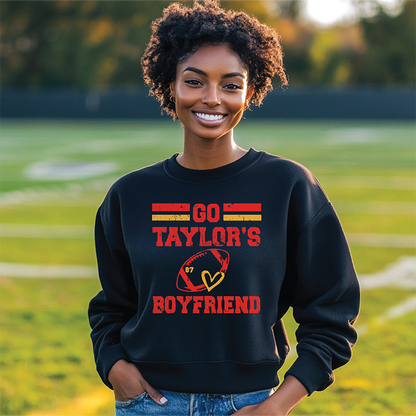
[171,217]
[242,217]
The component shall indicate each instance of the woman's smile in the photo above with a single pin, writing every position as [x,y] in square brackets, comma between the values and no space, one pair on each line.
[209,119]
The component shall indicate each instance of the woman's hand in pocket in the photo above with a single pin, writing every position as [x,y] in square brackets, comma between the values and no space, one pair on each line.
[128,383]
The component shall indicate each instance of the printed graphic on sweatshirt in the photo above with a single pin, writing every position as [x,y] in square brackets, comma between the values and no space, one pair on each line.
[201,235]
[206,269]
[203,271]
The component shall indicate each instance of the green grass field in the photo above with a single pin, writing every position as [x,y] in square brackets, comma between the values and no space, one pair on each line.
[54,176]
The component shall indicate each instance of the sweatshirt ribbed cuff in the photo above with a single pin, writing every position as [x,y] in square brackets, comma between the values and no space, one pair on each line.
[107,358]
[307,370]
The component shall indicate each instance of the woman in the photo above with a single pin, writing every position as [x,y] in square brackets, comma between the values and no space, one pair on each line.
[202,254]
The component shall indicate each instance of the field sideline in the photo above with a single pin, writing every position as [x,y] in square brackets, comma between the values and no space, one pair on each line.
[54,175]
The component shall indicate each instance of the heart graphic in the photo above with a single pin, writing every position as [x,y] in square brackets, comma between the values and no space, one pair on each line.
[209,285]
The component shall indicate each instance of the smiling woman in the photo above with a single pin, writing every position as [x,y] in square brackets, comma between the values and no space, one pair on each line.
[253,231]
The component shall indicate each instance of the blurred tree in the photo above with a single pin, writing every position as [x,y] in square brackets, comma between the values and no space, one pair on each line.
[289,9]
[87,44]
[390,49]
[377,50]
[330,54]
[297,40]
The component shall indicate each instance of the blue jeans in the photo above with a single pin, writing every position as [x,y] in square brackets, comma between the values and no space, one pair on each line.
[186,404]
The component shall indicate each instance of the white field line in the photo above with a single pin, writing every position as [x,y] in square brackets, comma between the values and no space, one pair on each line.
[401,274]
[46,195]
[46,231]
[402,309]
[63,171]
[47,271]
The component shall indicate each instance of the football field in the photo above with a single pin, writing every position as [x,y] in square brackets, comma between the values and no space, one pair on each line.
[54,175]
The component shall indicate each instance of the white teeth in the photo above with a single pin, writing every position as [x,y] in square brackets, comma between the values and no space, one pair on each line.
[209,117]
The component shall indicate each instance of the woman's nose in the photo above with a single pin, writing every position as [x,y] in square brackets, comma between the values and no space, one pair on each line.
[212,97]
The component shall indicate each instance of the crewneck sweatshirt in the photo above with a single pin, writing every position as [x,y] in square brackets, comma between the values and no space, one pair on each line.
[198,267]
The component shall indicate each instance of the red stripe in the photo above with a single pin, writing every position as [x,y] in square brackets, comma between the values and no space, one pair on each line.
[242,207]
[171,207]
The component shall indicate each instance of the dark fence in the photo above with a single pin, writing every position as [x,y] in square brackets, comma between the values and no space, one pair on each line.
[305,103]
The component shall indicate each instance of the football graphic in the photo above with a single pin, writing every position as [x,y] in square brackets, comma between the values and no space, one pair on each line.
[203,271]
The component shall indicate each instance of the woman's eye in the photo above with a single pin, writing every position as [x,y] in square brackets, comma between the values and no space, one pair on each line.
[192,82]
[233,87]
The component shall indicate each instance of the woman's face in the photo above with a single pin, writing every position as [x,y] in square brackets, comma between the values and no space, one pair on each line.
[210,90]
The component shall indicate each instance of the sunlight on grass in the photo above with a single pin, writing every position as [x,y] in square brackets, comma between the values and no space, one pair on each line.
[97,402]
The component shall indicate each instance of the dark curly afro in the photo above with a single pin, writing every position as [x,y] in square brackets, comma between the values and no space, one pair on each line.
[182,30]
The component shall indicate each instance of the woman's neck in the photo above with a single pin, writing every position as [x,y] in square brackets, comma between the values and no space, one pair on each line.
[209,154]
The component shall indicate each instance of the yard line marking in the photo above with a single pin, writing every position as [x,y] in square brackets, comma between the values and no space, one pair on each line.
[402,309]
[401,274]
[87,404]
[40,194]
[354,135]
[43,170]
[46,231]
[382,240]
[61,271]
[375,207]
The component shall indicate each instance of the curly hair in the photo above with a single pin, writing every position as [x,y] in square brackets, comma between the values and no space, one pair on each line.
[182,30]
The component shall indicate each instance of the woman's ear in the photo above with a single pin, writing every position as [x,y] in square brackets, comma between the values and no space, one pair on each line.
[250,92]
[172,89]
[248,98]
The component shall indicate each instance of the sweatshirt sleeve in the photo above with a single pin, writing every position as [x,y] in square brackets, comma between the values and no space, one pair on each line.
[116,304]
[325,300]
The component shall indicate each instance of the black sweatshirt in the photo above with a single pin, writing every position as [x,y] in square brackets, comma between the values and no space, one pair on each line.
[198,267]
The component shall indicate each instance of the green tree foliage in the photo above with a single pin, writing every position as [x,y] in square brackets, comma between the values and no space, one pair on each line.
[297,41]
[87,44]
[289,9]
[378,50]
[390,52]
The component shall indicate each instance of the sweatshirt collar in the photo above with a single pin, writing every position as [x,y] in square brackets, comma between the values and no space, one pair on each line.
[175,170]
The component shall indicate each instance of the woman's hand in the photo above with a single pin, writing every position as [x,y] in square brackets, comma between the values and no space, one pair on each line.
[280,403]
[128,383]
